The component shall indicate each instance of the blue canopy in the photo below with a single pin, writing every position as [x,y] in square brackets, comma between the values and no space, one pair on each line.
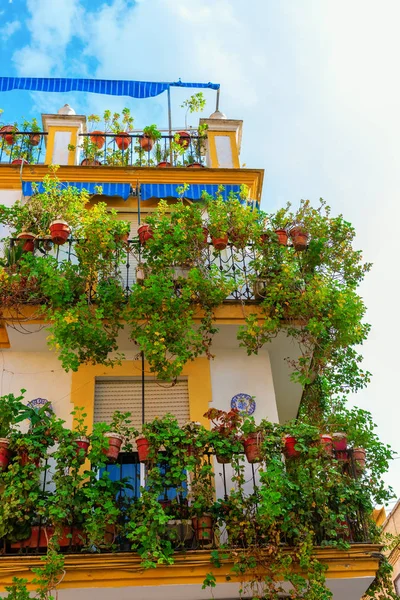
[109,189]
[112,87]
[195,191]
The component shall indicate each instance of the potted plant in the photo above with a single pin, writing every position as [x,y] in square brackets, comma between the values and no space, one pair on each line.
[243,218]
[121,125]
[120,429]
[150,135]
[91,152]
[97,137]
[224,437]
[145,233]
[82,440]
[201,498]
[218,220]
[252,439]
[162,156]
[59,231]
[299,237]
[11,408]
[196,103]
[7,132]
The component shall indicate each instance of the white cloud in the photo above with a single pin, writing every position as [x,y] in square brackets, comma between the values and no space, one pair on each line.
[8,29]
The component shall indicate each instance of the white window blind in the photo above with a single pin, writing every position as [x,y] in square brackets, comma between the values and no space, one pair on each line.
[125,394]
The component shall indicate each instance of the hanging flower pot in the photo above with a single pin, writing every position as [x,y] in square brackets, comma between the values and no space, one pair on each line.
[146,143]
[143,447]
[239,240]
[24,458]
[19,161]
[34,139]
[90,162]
[252,444]
[114,445]
[204,528]
[205,234]
[82,447]
[339,441]
[184,139]
[59,231]
[145,233]
[7,132]
[223,460]
[195,165]
[359,455]
[299,238]
[4,453]
[98,138]
[164,164]
[264,238]
[327,443]
[290,450]
[282,236]
[29,244]
[220,243]
[123,140]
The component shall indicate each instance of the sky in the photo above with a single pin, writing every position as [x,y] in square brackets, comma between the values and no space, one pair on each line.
[316,83]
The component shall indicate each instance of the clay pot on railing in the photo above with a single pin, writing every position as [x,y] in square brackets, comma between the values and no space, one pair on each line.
[223,460]
[29,243]
[299,238]
[143,448]
[4,453]
[34,139]
[146,143]
[184,139]
[145,233]
[204,528]
[123,140]
[252,445]
[19,161]
[339,441]
[164,164]
[24,459]
[282,236]
[59,231]
[40,536]
[359,455]
[98,138]
[290,450]
[195,165]
[82,447]
[264,238]
[8,133]
[220,243]
[326,443]
[90,162]
[237,239]
[114,445]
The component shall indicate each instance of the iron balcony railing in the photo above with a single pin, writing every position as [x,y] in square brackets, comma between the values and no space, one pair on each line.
[133,473]
[22,147]
[236,263]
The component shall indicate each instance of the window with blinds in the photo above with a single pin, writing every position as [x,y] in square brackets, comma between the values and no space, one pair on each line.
[125,394]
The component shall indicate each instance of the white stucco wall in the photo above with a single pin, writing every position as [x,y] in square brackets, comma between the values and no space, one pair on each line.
[7,197]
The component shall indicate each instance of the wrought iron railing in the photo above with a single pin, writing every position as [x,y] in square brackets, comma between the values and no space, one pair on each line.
[133,473]
[22,147]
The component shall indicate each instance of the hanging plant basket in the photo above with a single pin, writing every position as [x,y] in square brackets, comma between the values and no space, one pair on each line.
[8,133]
[4,453]
[145,233]
[143,447]
[114,445]
[252,444]
[34,139]
[282,236]
[299,238]
[98,138]
[205,234]
[339,441]
[184,139]
[25,459]
[290,450]
[146,143]
[204,528]
[264,238]
[220,243]
[223,459]
[164,164]
[59,231]
[326,443]
[123,140]
[359,456]
[82,447]
[239,240]
[28,238]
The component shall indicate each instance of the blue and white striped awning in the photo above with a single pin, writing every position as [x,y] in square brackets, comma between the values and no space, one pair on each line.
[195,191]
[111,87]
[122,190]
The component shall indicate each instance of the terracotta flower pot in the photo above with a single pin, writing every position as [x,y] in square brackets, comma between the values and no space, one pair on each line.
[359,455]
[59,231]
[252,444]
[146,143]
[143,447]
[88,162]
[98,138]
[164,164]
[123,140]
[282,236]
[34,139]
[40,537]
[7,132]
[339,441]
[327,443]
[264,238]
[19,161]
[4,453]
[299,238]
[145,233]
[223,460]
[204,528]
[114,445]
[24,459]
[195,165]
[29,244]
[220,243]
[184,139]
[290,450]
[205,233]
[237,239]
[82,447]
